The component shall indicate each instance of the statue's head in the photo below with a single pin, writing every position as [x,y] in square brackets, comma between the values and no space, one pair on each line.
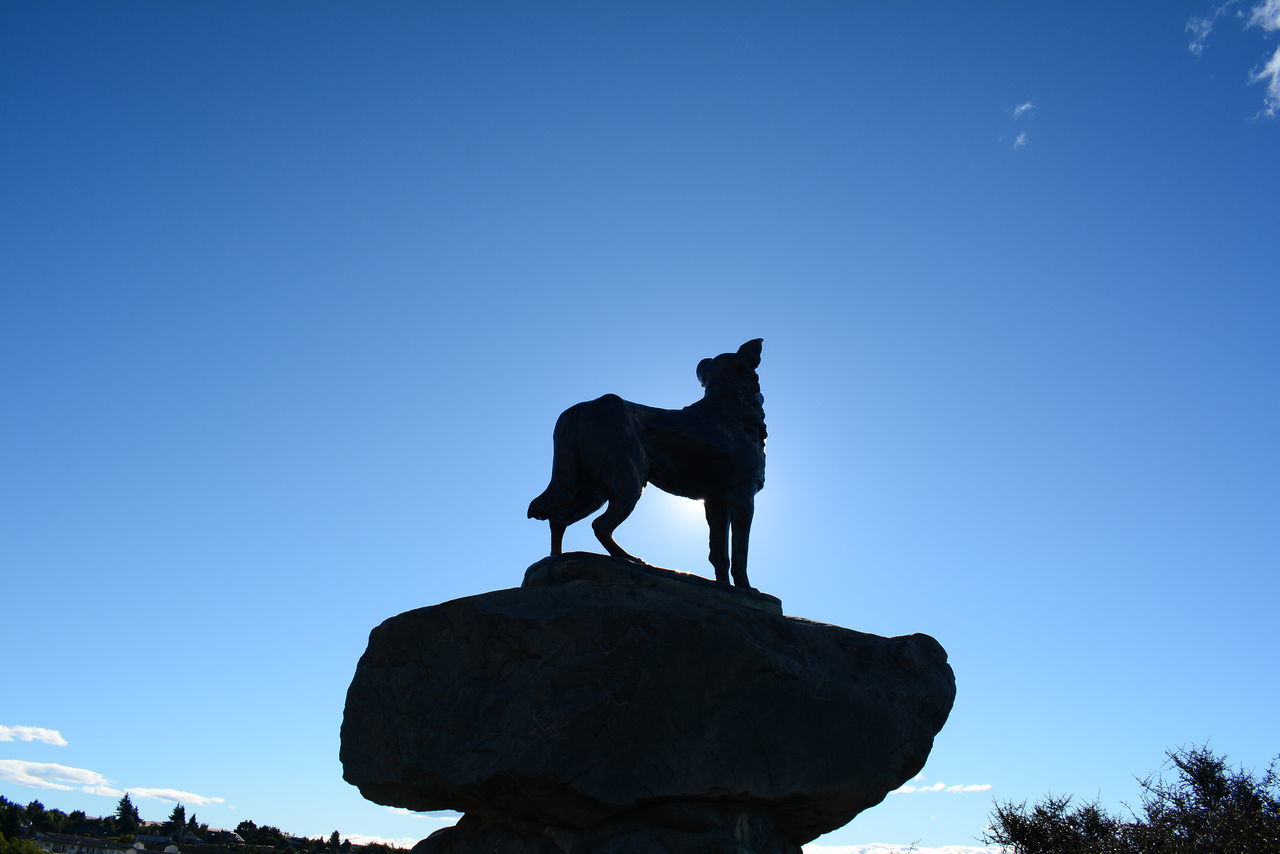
[732,373]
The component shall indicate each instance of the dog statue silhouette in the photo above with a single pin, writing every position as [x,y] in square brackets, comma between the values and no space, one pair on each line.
[607,449]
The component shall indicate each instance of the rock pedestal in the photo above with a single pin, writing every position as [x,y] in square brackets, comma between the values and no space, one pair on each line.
[605,709]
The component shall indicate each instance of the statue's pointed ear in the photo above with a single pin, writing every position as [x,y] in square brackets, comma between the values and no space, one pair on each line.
[702,372]
[751,351]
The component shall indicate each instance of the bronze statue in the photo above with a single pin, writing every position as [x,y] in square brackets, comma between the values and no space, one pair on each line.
[607,449]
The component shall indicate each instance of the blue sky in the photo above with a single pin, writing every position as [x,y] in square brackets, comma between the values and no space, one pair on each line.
[293,293]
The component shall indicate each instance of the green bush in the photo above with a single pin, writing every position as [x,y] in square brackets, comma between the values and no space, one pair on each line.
[15,845]
[1207,809]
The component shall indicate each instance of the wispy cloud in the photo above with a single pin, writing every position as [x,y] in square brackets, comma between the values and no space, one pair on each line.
[190,798]
[1265,15]
[32,733]
[104,791]
[942,787]
[49,775]
[1201,26]
[1270,75]
[1025,110]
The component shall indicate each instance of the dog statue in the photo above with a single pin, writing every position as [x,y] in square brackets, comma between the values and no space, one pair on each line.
[607,449]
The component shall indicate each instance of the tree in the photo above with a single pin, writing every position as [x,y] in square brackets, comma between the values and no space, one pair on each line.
[11,815]
[35,814]
[127,819]
[14,845]
[44,819]
[177,822]
[1207,808]
[54,820]
[334,841]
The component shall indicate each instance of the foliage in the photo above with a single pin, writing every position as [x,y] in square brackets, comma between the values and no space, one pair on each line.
[11,815]
[17,821]
[35,815]
[15,845]
[262,835]
[1207,809]
[177,822]
[39,818]
[127,818]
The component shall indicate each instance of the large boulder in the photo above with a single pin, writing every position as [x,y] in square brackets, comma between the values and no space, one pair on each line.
[605,707]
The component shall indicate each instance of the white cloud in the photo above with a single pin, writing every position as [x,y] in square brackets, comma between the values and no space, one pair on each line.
[1022,140]
[48,775]
[1021,109]
[190,798]
[1270,74]
[942,787]
[394,842]
[1266,15]
[105,791]
[32,733]
[886,848]
[1201,27]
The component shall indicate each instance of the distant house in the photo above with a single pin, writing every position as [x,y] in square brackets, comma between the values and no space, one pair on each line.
[225,837]
[154,838]
[63,843]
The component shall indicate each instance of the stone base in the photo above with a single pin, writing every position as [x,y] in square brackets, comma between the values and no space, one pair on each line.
[646,711]
[674,828]
[604,571]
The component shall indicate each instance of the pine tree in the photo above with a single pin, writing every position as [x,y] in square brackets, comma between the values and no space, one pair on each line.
[127,819]
[177,822]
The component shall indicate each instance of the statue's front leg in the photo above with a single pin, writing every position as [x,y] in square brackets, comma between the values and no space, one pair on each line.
[718,523]
[740,516]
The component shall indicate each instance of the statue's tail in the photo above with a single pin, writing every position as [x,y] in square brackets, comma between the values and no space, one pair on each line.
[557,498]
[544,506]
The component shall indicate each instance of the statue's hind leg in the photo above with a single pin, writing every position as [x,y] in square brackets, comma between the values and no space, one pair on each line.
[718,527]
[607,522]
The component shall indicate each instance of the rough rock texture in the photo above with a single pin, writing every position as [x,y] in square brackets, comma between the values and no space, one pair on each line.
[586,568]
[607,709]
[681,826]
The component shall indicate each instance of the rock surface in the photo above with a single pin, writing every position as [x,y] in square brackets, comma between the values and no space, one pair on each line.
[604,708]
